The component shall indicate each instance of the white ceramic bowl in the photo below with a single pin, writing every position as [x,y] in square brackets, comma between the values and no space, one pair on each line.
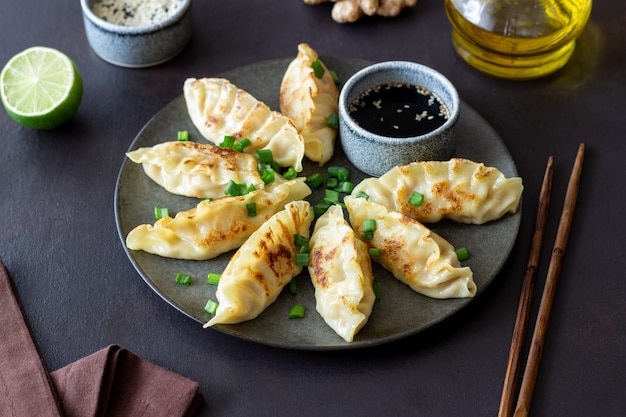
[375,154]
[138,46]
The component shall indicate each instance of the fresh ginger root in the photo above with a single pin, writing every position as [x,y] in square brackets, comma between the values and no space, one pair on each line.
[348,11]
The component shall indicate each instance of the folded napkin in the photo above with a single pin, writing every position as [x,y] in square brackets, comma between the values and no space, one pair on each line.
[111,382]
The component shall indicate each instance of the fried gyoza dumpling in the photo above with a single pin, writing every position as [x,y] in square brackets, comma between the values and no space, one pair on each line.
[458,189]
[411,252]
[215,226]
[310,101]
[341,272]
[197,169]
[262,266]
[218,108]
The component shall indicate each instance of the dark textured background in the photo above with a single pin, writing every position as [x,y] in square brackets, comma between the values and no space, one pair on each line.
[59,241]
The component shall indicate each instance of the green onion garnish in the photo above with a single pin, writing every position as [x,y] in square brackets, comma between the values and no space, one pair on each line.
[267,175]
[250,188]
[318,68]
[333,121]
[462,253]
[374,251]
[293,289]
[296,312]
[290,174]
[332,183]
[242,144]
[213,278]
[183,279]
[376,288]
[335,77]
[416,199]
[228,142]
[300,241]
[341,173]
[210,307]
[345,187]
[302,259]
[362,194]
[160,212]
[251,208]
[331,196]
[320,208]
[369,227]
[183,135]
[315,180]
[233,189]
[265,156]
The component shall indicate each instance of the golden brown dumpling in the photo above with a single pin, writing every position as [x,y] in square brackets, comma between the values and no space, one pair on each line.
[218,108]
[309,101]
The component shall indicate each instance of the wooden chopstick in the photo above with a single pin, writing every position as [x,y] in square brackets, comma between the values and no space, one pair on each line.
[545,308]
[509,388]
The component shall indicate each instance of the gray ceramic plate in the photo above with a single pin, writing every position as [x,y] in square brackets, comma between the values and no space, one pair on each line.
[399,312]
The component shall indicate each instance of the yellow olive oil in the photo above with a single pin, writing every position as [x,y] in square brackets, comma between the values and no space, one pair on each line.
[517,39]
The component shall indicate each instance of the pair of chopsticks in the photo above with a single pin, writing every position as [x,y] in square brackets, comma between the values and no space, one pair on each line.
[524,397]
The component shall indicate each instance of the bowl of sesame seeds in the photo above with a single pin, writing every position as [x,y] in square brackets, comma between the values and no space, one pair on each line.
[137,33]
[397,112]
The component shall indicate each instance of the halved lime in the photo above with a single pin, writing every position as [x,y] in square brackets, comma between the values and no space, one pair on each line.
[41,88]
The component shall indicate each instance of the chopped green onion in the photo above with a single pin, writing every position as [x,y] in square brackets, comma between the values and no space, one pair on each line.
[183,135]
[250,188]
[228,142]
[302,259]
[362,194]
[332,183]
[211,307]
[331,196]
[333,121]
[267,175]
[462,253]
[293,288]
[233,189]
[369,227]
[296,312]
[315,180]
[213,278]
[376,288]
[290,174]
[242,144]
[300,241]
[251,207]
[265,156]
[183,279]
[160,212]
[320,208]
[335,77]
[318,68]
[345,187]
[374,251]
[416,199]
[341,173]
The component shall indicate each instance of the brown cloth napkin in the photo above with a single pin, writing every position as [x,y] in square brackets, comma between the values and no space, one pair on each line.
[112,382]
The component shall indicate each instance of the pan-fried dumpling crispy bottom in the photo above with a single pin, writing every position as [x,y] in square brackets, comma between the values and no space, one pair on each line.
[458,189]
[218,108]
[262,266]
[411,252]
[197,169]
[214,227]
[341,272]
[309,101]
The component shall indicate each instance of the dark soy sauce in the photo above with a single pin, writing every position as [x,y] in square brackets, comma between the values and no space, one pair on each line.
[398,110]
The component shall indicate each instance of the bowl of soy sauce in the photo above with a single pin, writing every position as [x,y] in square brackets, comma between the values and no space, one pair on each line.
[397,112]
